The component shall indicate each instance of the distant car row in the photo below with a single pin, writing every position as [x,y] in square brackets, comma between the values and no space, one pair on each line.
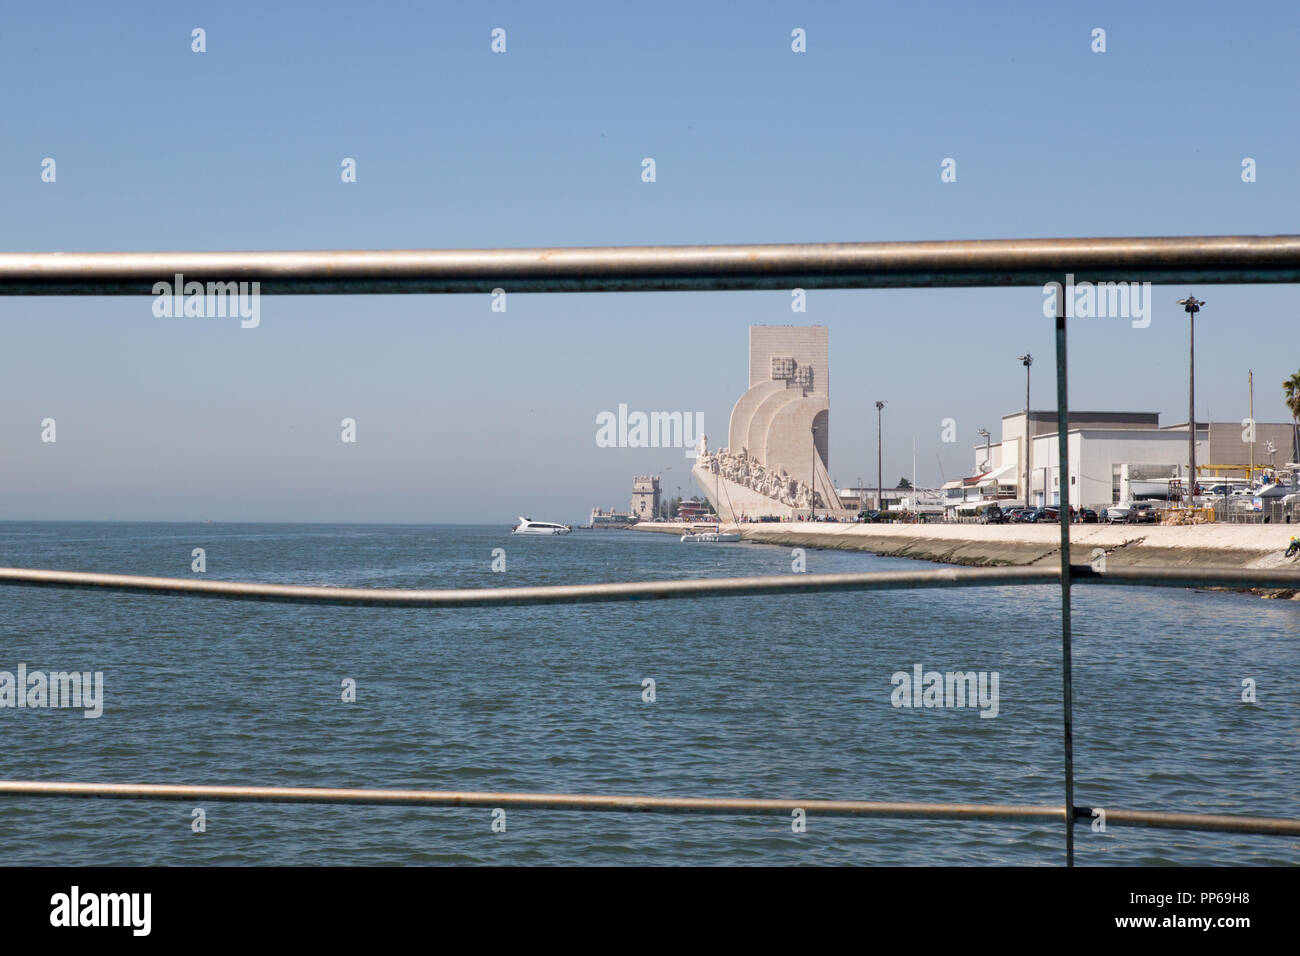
[1125,512]
[1019,514]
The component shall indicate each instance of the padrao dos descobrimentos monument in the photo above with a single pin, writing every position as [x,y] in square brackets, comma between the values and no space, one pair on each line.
[778,440]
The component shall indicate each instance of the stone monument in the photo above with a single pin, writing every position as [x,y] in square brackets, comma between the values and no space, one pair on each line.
[779,436]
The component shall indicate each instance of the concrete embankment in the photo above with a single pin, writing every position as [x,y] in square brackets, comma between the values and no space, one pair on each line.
[1220,546]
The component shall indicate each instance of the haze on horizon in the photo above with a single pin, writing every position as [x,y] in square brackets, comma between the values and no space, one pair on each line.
[468,415]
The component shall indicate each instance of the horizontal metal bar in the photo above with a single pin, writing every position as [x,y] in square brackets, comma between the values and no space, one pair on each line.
[551,594]
[537,801]
[648,590]
[1218,822]
[641,804]
[848,265]
[1236,578]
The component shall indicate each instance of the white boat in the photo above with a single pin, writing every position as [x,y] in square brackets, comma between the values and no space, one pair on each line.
[710,534]
[529,526]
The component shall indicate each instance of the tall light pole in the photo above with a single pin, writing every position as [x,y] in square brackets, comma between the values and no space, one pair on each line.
[1191,305]
[988,458]
[1027,360]
[812,481]
[880,469]
[1250,475]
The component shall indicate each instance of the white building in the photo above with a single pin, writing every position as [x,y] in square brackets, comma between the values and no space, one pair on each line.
[1114,456]
[895,499]
[1104,462]
[968,496]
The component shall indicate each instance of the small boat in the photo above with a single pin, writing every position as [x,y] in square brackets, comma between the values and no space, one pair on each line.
[529,526]
[710,534]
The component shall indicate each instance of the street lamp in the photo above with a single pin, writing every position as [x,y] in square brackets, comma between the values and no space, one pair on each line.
[812,481]
[880,470]
[988,458]
[1191,305]
[1027,360]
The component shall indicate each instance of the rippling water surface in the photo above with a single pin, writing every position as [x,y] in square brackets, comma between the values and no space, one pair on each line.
[779,697]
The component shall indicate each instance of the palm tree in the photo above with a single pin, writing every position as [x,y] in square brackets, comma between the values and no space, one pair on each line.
[1292,389]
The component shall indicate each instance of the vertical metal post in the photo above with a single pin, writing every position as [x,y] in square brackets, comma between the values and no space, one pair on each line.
[1029,435]
[1191,305]
[880,470]
[1191,412]
[1067,677]
[1027,360]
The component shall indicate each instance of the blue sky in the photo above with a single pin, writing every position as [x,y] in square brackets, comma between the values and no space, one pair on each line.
[468,415]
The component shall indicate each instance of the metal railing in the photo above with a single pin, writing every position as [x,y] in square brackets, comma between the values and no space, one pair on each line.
[1213,822]
[650,590]
[974,263]
[823,265]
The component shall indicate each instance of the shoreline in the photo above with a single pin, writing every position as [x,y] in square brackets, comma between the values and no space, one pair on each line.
[1204,546]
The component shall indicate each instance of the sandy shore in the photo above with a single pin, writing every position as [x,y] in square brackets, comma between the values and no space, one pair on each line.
[1210,545]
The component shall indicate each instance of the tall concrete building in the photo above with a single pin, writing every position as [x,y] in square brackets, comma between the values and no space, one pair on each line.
[645,497]
[778,440]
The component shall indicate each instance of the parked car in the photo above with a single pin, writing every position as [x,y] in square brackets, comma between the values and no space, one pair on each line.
[993,515]
[1052,513]
[1013,513]
[1144,512]
[1027,515]
[1117,514]
[1088,516]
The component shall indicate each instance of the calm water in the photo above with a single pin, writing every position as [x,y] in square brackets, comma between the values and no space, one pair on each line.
[784,697]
